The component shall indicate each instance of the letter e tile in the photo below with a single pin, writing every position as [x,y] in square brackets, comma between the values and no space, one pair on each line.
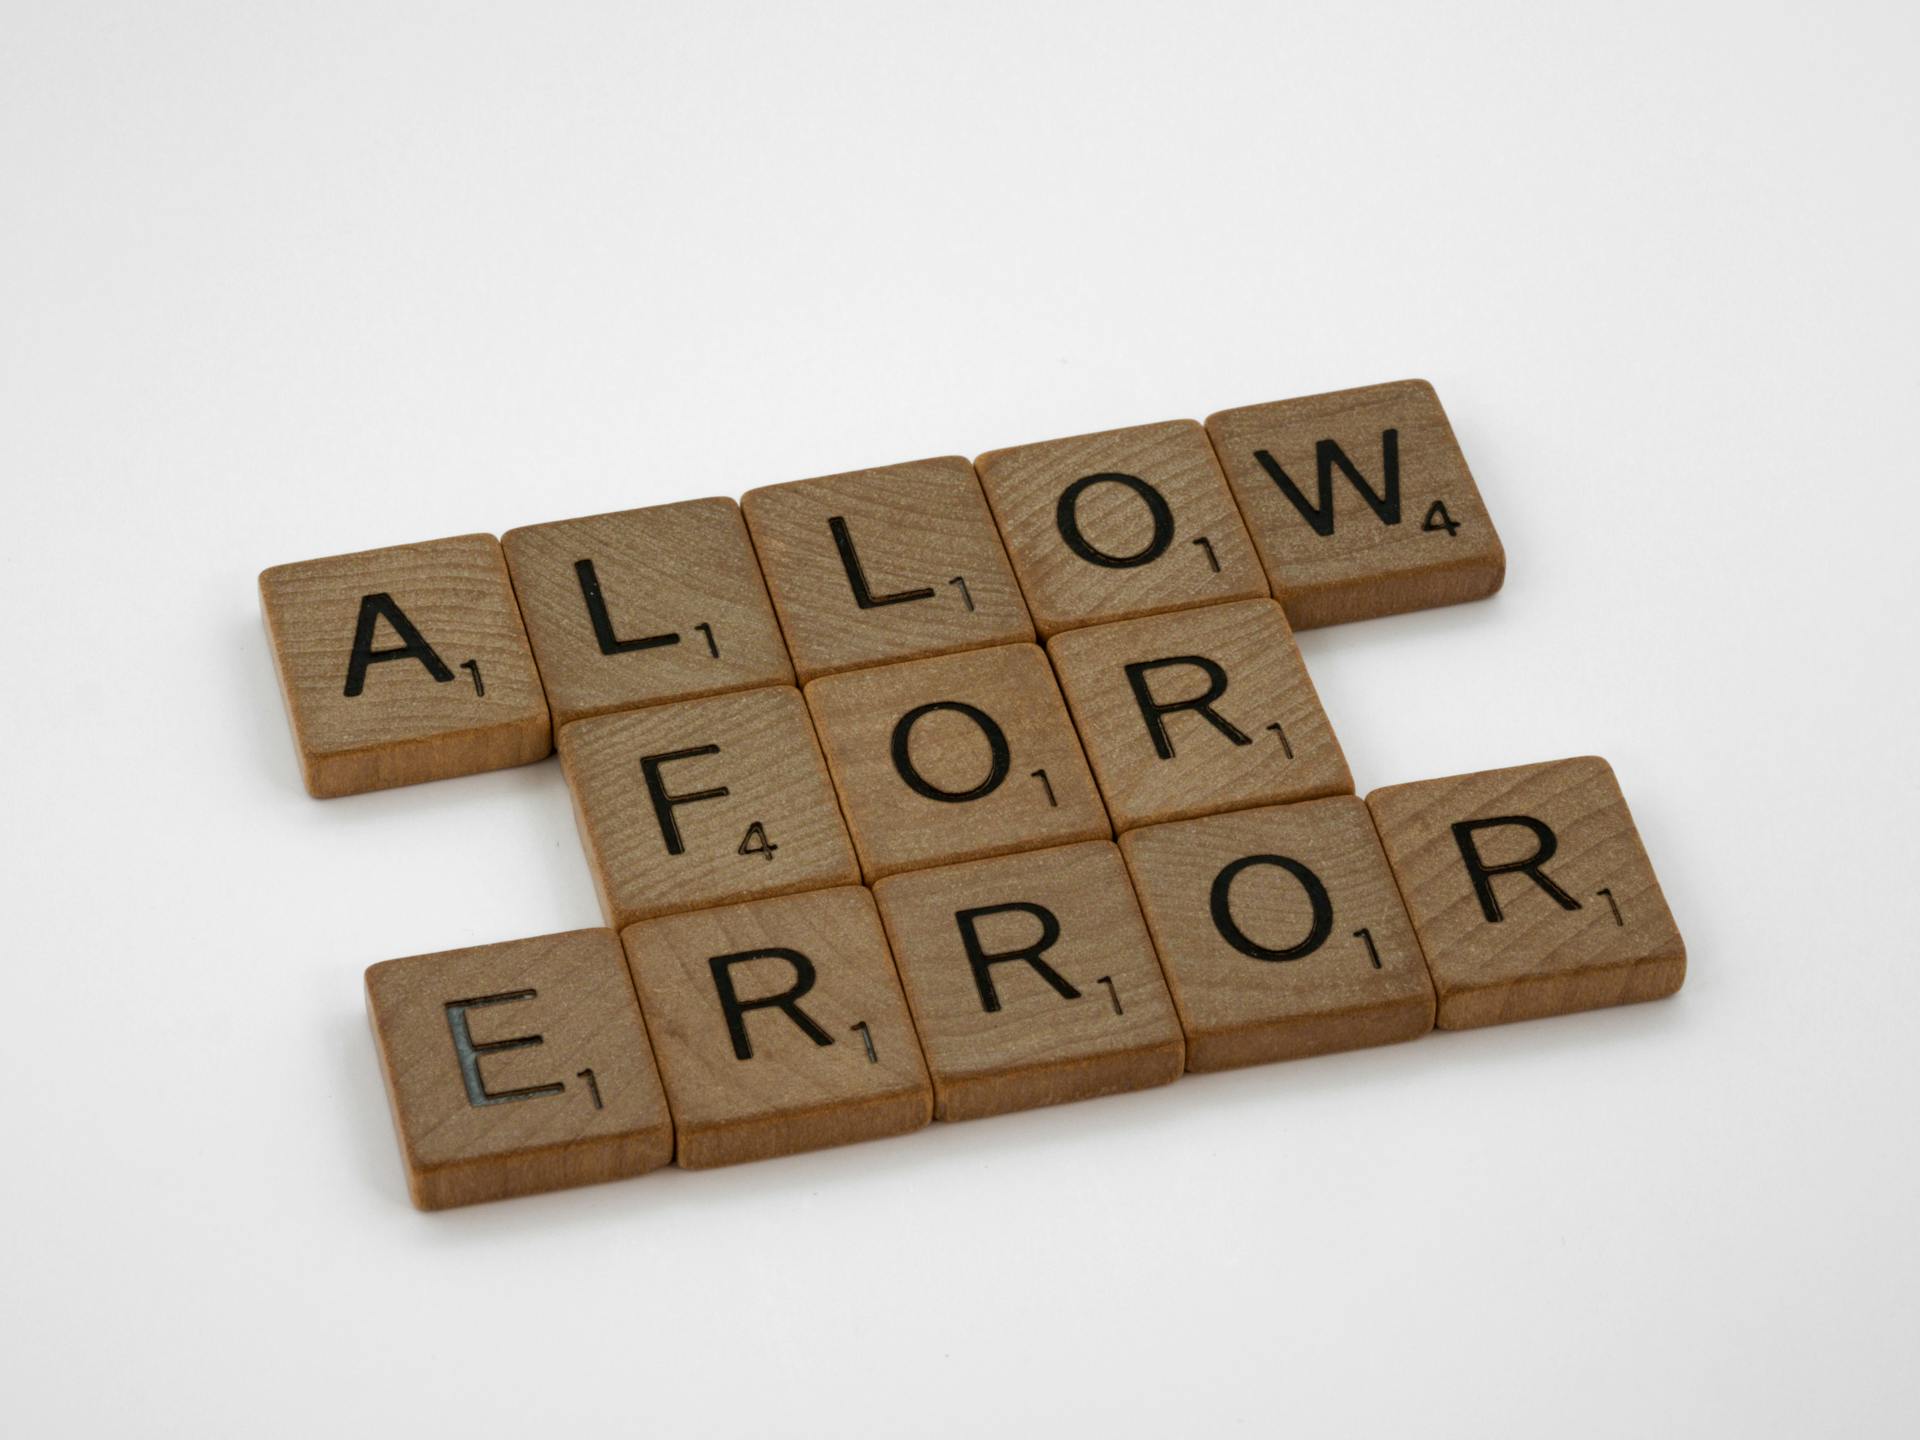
[517,1067]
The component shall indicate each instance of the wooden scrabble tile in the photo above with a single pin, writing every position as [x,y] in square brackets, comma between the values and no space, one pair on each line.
[703,802]
[955,758]
[644,607]
[1360,503]
[1198,711]
[886,564]
[516,1068]
[780,1027]
[1031,980]
[1280,932]
[403,665]
[1530,892]
[1119,524]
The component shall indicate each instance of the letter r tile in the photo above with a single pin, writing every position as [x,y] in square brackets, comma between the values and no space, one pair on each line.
[517,1067]
[1198,711]
[1031,979]
[780,1027]
[703,802]
[1531,892]
[1281,933]
[886,564]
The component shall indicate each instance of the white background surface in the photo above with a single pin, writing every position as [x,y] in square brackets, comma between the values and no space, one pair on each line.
[281,283]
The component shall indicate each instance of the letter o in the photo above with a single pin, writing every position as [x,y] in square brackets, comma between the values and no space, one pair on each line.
[1066,515]
[996,740]
[1222,906]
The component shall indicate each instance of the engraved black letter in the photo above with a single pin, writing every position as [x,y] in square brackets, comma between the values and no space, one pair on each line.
[983,960]
[373,608]
[1066,516]
[857,577]
[1222,904]
[1328,454]
[663,802]
[610,644]
[996,740]
[787,1000]
[1482,873]
[469,1053]
[1151,710]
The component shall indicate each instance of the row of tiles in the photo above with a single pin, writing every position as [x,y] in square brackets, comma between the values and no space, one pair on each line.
[793,1023]
[449,657]
[956,757]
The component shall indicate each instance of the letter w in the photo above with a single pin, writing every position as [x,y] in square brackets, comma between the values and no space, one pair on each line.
[1328,454]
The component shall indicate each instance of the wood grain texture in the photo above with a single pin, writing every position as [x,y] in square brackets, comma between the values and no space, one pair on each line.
[1377,556]
[1157,762]
[1112,1027]
[516,1068]
[1120,524]
[1510,948]
[935,576]
[744,807]
[974,728]
[837,1062]
[467,698]
[680,606]
[1260,973]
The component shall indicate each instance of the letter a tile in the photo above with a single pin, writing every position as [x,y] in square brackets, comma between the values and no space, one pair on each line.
[1281,933]
[1360,503]
[887,564]
[780,1027]
[645,607]
[403,665]
[1032,980]
[703,802]
[1198,711]
[517,1067]
[1531,892]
